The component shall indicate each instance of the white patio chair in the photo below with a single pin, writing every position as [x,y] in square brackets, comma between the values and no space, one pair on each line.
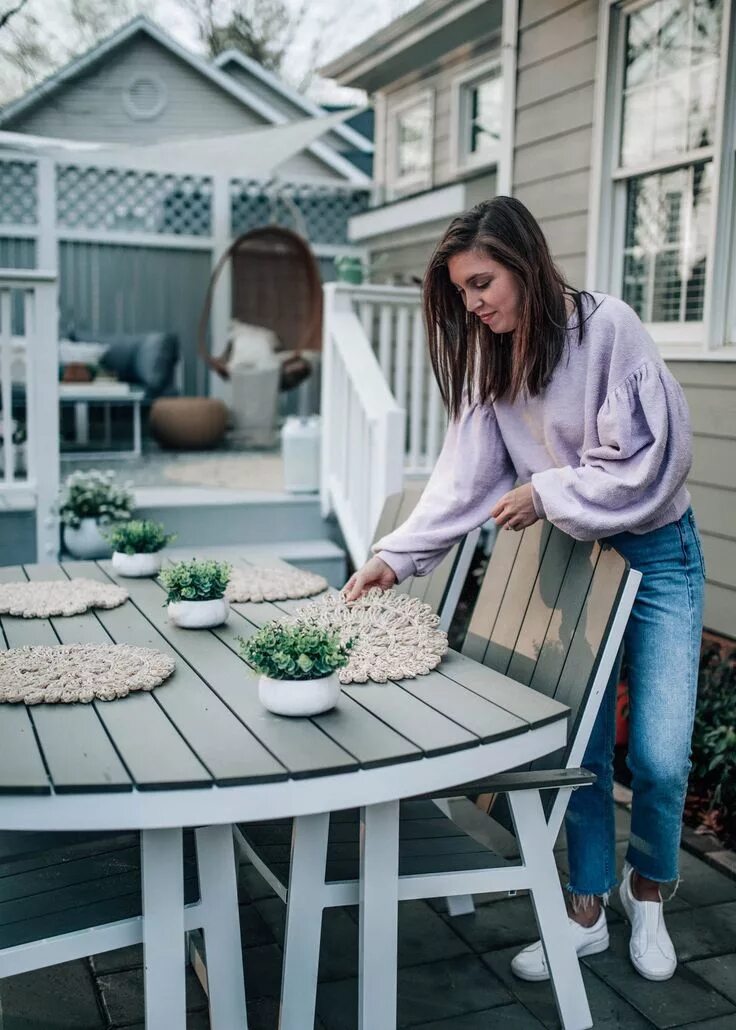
[551,615]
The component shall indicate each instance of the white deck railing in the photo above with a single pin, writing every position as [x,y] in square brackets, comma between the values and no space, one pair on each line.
[363,427]
[391,317]
[29,361]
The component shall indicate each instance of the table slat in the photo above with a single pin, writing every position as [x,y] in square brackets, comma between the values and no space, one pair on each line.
[299,745]
[195,723]
[74,744]
[477,714]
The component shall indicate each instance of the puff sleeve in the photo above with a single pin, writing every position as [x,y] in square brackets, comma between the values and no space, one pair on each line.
[634,466]
[472,472]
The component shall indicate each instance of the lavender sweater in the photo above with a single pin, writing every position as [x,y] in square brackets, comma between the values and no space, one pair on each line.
[607,447]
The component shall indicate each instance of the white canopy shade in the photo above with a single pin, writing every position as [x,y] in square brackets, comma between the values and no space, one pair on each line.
[254,154]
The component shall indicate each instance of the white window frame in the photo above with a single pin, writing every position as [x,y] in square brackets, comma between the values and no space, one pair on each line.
[413,183]
[461,159]
[604,271]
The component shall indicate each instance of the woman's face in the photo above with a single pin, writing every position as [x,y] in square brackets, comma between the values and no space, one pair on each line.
[488,289]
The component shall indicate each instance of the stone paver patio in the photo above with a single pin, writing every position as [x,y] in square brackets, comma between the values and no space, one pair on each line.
[454,973]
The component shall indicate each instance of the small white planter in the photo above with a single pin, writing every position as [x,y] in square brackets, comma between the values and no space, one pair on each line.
[299,697]
[136,565]
[86,541]
[199,614]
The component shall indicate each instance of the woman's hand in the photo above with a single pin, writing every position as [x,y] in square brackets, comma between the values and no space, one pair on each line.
[375,573]
[515,510]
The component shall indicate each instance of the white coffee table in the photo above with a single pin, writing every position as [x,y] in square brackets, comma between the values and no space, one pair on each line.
[81,395]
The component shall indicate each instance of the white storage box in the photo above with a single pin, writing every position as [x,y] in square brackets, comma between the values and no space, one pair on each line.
[300,448]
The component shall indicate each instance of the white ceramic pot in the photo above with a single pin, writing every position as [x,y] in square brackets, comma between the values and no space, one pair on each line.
[199,614]
[136,564]
[299,697]
[86,541]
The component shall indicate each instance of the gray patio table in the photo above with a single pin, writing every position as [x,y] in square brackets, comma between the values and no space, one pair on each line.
[201,751]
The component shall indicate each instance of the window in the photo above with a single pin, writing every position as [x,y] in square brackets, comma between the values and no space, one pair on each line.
[413,143]
[477,112]
[666,135]
[671,55]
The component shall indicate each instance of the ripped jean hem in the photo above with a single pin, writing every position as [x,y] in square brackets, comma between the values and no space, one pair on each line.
[583,900]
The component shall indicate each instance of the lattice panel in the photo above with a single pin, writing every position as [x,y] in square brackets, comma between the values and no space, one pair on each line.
[124,200]
[18,193]
[319,212]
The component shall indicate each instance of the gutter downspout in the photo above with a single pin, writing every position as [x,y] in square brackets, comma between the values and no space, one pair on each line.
[509,49]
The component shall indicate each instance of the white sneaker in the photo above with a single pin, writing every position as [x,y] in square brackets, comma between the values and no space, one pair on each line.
[530,964]
[651,950]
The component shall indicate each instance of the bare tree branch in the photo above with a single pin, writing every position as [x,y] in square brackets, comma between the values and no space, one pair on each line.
[5,18]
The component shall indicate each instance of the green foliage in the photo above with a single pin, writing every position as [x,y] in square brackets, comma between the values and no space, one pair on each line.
[714,735]
[295,651]
[94,494]
[139,537]
[195,580]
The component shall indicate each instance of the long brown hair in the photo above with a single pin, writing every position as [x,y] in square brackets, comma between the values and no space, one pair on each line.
[464,352]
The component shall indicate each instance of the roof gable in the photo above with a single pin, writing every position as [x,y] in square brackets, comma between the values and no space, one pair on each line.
[247,107]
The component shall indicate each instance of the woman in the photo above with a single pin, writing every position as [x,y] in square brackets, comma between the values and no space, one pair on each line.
[564,392]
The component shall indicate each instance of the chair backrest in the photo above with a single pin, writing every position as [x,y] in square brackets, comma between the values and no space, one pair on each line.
[441,588]
[550,614]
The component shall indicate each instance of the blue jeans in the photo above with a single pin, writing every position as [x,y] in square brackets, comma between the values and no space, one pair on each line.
[662,648]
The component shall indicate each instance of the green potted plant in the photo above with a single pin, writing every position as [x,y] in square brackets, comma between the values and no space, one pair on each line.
[137,547]
[196,593]
[89,501]
[298,666]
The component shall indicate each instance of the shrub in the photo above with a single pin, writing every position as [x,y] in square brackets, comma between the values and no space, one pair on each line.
[94,494]
[195,580]
[139,537]
[714,734]
[294,650]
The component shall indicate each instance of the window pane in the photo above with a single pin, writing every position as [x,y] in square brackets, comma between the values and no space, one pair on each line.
[414,141]
[484,108]
[670,78]
[666,243]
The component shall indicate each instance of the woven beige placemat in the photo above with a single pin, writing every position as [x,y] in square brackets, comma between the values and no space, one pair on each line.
[258,583]
[79,672]
[395,636]
[44,598]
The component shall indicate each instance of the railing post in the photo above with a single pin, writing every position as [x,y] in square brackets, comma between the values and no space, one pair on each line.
[221,299]
[335,299]
[42,319]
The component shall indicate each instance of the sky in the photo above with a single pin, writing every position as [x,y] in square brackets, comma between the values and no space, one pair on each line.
[334,25]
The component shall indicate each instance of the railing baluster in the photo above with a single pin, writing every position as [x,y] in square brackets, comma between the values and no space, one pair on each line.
[402,353]
[417,387]
[384,340]
[6,344]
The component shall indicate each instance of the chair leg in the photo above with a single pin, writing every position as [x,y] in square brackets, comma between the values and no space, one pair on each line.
[535,844]
[162,874]
[304,906]
[379,903]
[219,899]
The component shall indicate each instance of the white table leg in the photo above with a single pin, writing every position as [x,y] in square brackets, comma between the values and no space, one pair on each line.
[304,907]
[163,929]
[137,429]
[379,904]
[535,844]
[219,896]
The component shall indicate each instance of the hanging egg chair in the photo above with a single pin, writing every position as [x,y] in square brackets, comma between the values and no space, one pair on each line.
[275,284]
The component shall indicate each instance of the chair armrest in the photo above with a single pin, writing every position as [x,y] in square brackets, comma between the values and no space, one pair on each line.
[534,779]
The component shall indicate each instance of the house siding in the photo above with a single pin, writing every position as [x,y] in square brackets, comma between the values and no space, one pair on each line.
[551,175]
[554,120]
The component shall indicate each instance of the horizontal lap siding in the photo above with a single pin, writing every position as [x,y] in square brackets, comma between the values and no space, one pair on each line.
[710,388]
[554,121]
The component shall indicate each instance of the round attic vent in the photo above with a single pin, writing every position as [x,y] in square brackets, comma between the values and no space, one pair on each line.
[144,97]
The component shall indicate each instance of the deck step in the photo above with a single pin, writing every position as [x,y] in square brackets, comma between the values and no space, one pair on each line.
[207,516]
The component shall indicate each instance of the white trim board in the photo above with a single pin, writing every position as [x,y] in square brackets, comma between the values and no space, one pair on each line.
[443,202]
